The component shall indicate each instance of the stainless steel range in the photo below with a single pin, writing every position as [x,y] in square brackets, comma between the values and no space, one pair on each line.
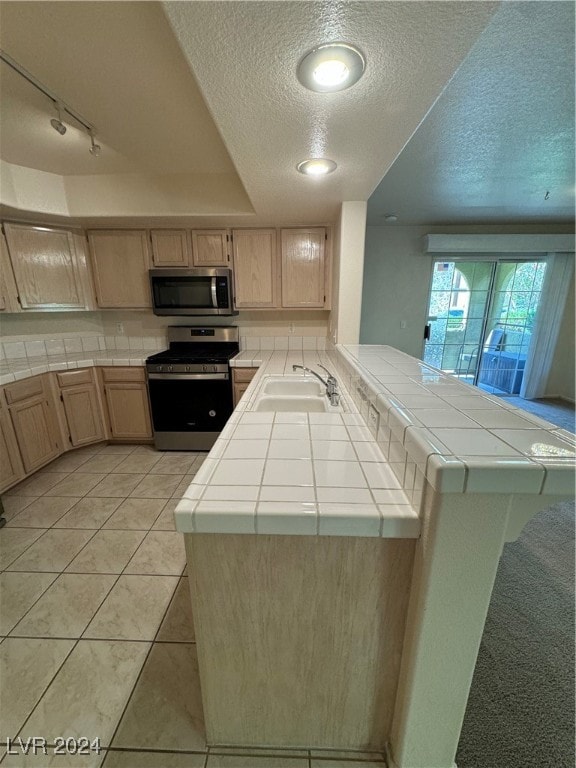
[190,387]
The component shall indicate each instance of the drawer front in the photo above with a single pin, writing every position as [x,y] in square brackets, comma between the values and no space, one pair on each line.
[22,390]
[72,378]
[124,374]
[243,374]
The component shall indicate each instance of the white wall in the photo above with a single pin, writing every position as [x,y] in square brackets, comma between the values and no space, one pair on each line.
[349,268]
[396,287]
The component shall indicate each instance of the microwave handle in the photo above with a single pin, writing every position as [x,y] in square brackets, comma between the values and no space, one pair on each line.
[213,293]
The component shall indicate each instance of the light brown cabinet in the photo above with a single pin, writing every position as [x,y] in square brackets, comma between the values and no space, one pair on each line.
[8,290]
[45,267]
[120,261]
[126,397]
[303,268]
[170,247]
[210,248]
[11,468]
[241,378]
[32,411]
[79,397]
[255,268]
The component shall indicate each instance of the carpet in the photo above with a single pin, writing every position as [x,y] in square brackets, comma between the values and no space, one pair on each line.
[520,712]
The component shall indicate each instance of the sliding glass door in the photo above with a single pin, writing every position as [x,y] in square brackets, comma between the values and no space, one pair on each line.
[480,319]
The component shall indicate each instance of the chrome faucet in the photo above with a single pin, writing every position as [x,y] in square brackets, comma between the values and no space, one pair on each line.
[331,384]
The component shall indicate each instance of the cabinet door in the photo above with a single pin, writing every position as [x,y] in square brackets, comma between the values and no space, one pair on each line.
[8,290]
[303,267]
[210,248]
[170,247]
[120,261]
[128,410]
[45,267]
[255,268]
[11,469]
[36,432]
[83,414]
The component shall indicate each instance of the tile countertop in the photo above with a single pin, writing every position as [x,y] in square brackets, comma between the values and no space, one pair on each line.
[361,472]
[14,370]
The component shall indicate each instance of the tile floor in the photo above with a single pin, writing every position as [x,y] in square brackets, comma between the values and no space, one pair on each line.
[96,630]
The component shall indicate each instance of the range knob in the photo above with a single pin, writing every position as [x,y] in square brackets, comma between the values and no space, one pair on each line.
[159,368]
[187,367]
[214,368]
[205,368]
[170,368]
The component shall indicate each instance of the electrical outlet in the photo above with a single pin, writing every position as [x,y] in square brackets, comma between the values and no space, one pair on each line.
[291,328]
[119,328]
[402,323]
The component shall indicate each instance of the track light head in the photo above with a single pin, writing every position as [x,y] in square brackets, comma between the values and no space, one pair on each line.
[95,149]
[58,125]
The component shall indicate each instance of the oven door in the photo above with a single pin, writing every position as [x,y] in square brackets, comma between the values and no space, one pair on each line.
[189,412]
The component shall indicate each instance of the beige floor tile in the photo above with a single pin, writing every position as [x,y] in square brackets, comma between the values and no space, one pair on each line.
[153,760]
[161,552]
[52,760]
[27,666]
[240,761]
[89,513]
[14,504]
[102,463]
[178,626]
[107,552]
[165,711]
[44,512]
[118,486]
[347,764]
[37,484]
[136,513]
[347,755]
[165,521]
[18,592]
[138,462]
[134,608]
[53,552]
[66,608]
[68,462]
[124,450]
[90,691]
[13,541]
[171,464]
[76,484]
[256,752]
[147,449]
[157,486]
[182,487]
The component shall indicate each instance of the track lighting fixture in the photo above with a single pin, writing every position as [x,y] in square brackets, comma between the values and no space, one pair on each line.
[57,123]
[95,149]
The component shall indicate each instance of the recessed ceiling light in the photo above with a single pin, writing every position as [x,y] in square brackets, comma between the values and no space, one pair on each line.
[331,67]
[318,166]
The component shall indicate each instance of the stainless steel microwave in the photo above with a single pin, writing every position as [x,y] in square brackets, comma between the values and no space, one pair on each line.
[202,291]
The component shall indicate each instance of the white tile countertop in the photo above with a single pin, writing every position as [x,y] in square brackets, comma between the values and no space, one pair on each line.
[362,471]
[14,370]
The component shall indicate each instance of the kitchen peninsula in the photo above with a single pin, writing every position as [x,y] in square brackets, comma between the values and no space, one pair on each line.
[356,551]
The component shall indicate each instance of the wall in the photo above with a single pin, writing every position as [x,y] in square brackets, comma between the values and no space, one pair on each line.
[396,288]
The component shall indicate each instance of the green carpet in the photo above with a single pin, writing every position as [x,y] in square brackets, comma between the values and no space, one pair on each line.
[520,711]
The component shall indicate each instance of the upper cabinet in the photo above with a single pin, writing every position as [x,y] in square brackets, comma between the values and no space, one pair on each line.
[120,260]
[304,268]
[255,268]
[8,290]
[170,247]
[45,267]
[210,248]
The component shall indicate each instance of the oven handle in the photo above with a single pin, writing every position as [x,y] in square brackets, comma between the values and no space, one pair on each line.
[189,376]
[213,293]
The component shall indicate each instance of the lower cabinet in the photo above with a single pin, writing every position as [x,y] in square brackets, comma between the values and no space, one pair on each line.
[126,396]
[79,397]
[241,378]
[11,468]
[32,411]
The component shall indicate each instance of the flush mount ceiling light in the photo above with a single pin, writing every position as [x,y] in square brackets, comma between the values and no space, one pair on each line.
[318,166]
[331,67]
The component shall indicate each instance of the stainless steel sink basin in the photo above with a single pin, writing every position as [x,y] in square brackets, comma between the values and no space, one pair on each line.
[305,404]
[292,386]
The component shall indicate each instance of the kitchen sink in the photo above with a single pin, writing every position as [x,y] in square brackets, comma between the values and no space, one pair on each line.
[292,386]
[305,404]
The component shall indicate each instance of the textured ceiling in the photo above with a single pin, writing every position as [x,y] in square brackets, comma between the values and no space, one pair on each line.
[502,133]
[205,104]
